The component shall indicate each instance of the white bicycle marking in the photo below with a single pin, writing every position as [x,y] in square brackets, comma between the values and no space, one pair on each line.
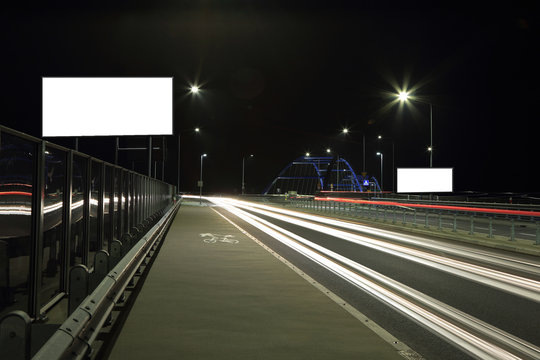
[213,238]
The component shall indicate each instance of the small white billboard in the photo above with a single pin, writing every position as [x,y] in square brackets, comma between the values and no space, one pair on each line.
[107,106]
[424,180]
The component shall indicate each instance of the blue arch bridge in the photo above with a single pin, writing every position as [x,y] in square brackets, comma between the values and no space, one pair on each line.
[310,174]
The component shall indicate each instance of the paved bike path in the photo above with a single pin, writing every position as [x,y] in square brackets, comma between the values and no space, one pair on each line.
[227,300]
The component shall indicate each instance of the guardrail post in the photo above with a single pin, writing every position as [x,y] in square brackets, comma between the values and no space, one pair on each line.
[414,218]
[116,253]
[537,233]
[471,232]
[393,215]
[384,214]
[78,286]
[101,268]
[404,221]
[454,225]
[439,227]
[490,227]
[512,230]
[426,225]
[15,335]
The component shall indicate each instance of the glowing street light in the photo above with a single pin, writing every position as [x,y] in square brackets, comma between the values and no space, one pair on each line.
[308,154]
[345,131]
[403,96]
[194,89]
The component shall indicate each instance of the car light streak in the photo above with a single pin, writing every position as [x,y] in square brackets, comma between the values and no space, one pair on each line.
[453,249]
[449,330]
[440,207]
[16,210]
[513,284]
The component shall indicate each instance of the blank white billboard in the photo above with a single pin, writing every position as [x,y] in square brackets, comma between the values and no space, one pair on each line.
[424,180]
[107,106]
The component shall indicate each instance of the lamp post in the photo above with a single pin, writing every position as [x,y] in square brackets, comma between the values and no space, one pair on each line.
[404,96]
[380,137]
[194,90]
[243,172]
[201,180]
[197,131]
[345,131]
[381,155]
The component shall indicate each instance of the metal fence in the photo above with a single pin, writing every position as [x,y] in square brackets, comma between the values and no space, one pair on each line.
[507,225]
[58,209]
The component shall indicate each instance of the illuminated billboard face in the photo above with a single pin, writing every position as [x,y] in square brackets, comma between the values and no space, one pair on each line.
[107,106]
[424,180]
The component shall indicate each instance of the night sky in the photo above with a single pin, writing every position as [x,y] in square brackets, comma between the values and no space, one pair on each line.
[279,80]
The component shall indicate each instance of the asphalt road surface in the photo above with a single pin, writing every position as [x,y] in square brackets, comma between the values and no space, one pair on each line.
[444,300]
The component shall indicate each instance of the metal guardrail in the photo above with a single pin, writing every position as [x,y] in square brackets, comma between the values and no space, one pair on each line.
[464,219]
[75,336]
[58,209]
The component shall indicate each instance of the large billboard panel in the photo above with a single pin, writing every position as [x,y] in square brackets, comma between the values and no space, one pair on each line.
[424,180]
[105,106]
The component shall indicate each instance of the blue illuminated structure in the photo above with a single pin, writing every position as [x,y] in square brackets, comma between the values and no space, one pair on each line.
[309,174]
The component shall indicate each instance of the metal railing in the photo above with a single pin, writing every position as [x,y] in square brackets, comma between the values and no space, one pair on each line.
[60,209]
[507,224]
[76,335]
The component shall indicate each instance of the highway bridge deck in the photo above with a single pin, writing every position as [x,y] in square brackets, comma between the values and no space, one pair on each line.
[213,292]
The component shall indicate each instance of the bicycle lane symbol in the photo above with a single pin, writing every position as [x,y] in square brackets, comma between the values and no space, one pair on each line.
[214,238]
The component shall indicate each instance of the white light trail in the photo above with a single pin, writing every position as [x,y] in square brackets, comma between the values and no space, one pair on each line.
[513,284]
[466,252]
[389,292]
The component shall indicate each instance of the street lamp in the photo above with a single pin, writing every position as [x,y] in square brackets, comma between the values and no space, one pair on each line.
[194,89]
[197,131]
[404,96]
[380,137]
[201,180]
[243,168]
[345,131]
[381,155]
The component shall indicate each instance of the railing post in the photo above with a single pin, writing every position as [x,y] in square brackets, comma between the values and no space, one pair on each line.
[490,235]
[426,224]
[471,231]
[116,253]
[439,227]
[87,196]
[66,219]
[537,233]
[78,286]
[101,268]
[15,329]
[36,231]
[512,230]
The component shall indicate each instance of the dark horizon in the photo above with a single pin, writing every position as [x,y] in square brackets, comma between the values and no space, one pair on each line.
[278,81]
